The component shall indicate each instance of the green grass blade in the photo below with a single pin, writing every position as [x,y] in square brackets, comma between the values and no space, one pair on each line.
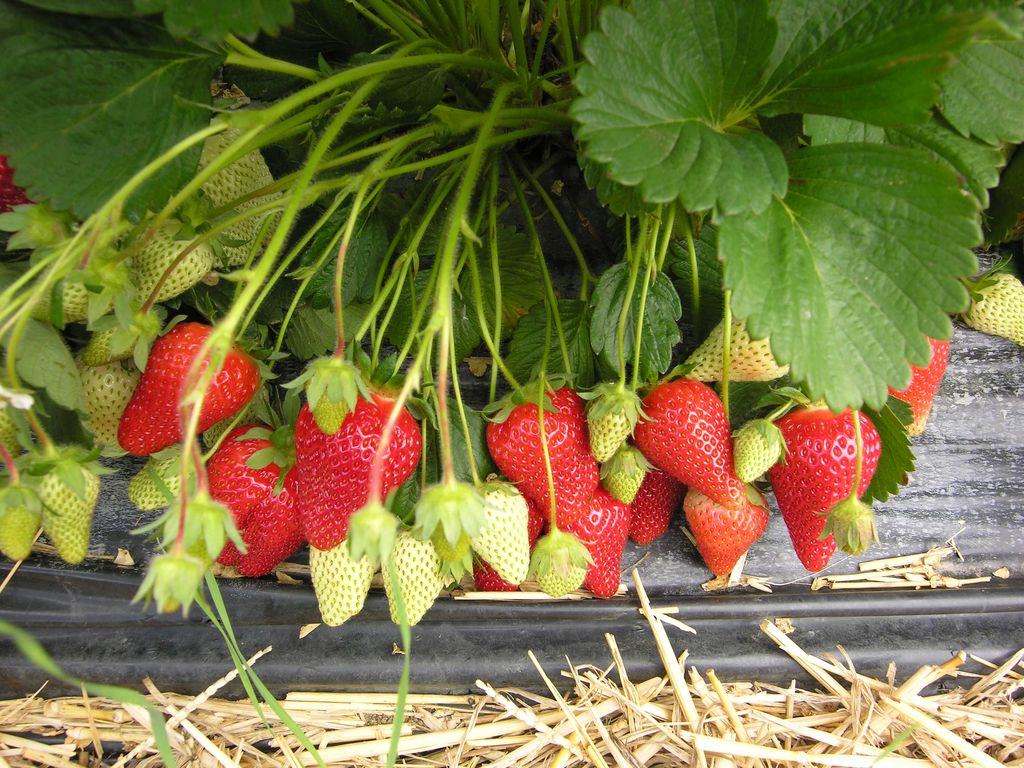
[403,684]
[32,650]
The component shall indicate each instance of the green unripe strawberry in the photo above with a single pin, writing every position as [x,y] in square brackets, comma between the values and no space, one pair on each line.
[416,565]
[173,581]
[504,541]
[74,304]
[144,492]
[20,517]
[106,390]
[341,583]
[757,446]
[623,474]
[119,342]
[157,256]
[246,175]
[612,413]
[68,493]
[8,432]
[852,523]
[450,514]
[749,360]
[997,307]
[559,563]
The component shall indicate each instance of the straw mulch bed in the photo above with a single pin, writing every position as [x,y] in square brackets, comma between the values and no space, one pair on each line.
[683,718]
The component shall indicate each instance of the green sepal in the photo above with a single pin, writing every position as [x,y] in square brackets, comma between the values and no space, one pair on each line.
[560,559]
[372,532]
[852,523]
[612,398]
[455,508]
[500,410]
[173,581]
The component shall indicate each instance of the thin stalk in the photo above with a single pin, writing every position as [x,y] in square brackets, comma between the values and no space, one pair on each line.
[492,236]
[858,471]
[485,332]
[339,268]
[549,288]
[386,18]
[441,391]
[627,302]
[726,351]
[694,274]
[570,238]
[246,56]
[463,419]
[12,468]
[645,288]
[518,42]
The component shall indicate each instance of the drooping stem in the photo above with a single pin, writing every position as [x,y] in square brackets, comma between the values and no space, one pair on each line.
[443,424]
[339,268]
[8,461]
[245,56]
[694,273]
[463,419]
[858,471]
[726,351]
[652,261]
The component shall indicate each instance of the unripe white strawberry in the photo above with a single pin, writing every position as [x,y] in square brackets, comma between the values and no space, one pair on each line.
[504,541]
[341,583]
[106,390]
[416,565]
[749,360]
[997,307]
[157,256]
[67,510]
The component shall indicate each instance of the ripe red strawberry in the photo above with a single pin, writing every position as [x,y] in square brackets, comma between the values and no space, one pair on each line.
[334,470]
[272,532]
[515,446]
[818,472]
[687,435]
[924,383]
[268,522]
[10,193]
[653,506]
[603,528]
[152,419]
[489,580]
[723,534]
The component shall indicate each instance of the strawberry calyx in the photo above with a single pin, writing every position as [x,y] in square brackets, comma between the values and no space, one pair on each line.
[852,523]
[35,225]
[624,472]
[372,532]
[537,391]
[450,515]
[173,581]
[333,385]
[612,412]
[559,562]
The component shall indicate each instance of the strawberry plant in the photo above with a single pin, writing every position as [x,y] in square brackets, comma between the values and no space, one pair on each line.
[638,234]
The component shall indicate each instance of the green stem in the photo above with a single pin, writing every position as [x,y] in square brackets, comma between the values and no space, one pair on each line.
[694,274]
[8,461]
[652,260]
[859,466]
[492,236]
[463,419]
[726,351]
[339,267]
[627,301]
[556,215]
[485,332]
[245,56]
[441,391]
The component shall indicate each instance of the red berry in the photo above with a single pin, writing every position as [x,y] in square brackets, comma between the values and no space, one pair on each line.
[686,433]
[10,193]
[515,446]
[603,528]
[924,383]
[334,470]
[653,507]
[818,472]
[152,419]
[723,534]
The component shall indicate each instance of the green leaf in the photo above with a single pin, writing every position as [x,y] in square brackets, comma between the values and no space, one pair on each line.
[745,398]
[86,103]
[1005,218]
[851,271]
[311,333]
[214,21]
[977,163]
[983,96]
[859,59]
[897,459]
[43,360]
[114,9]
[522,284]
[660,331]
[366,252]
[620,200]
[461,449]
[527,345]
[709,279]
[663,95]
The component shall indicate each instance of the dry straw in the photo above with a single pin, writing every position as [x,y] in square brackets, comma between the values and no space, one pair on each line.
[595,717]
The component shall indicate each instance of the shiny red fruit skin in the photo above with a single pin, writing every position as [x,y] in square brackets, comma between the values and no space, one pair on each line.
[273,532]
[10,193]
[334,470]
[722,534]
[924,383]
[818,472]
[686,433]
[603,528]
[152,420]
[236,485]
[486,578]
[655,503]
[515,446]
